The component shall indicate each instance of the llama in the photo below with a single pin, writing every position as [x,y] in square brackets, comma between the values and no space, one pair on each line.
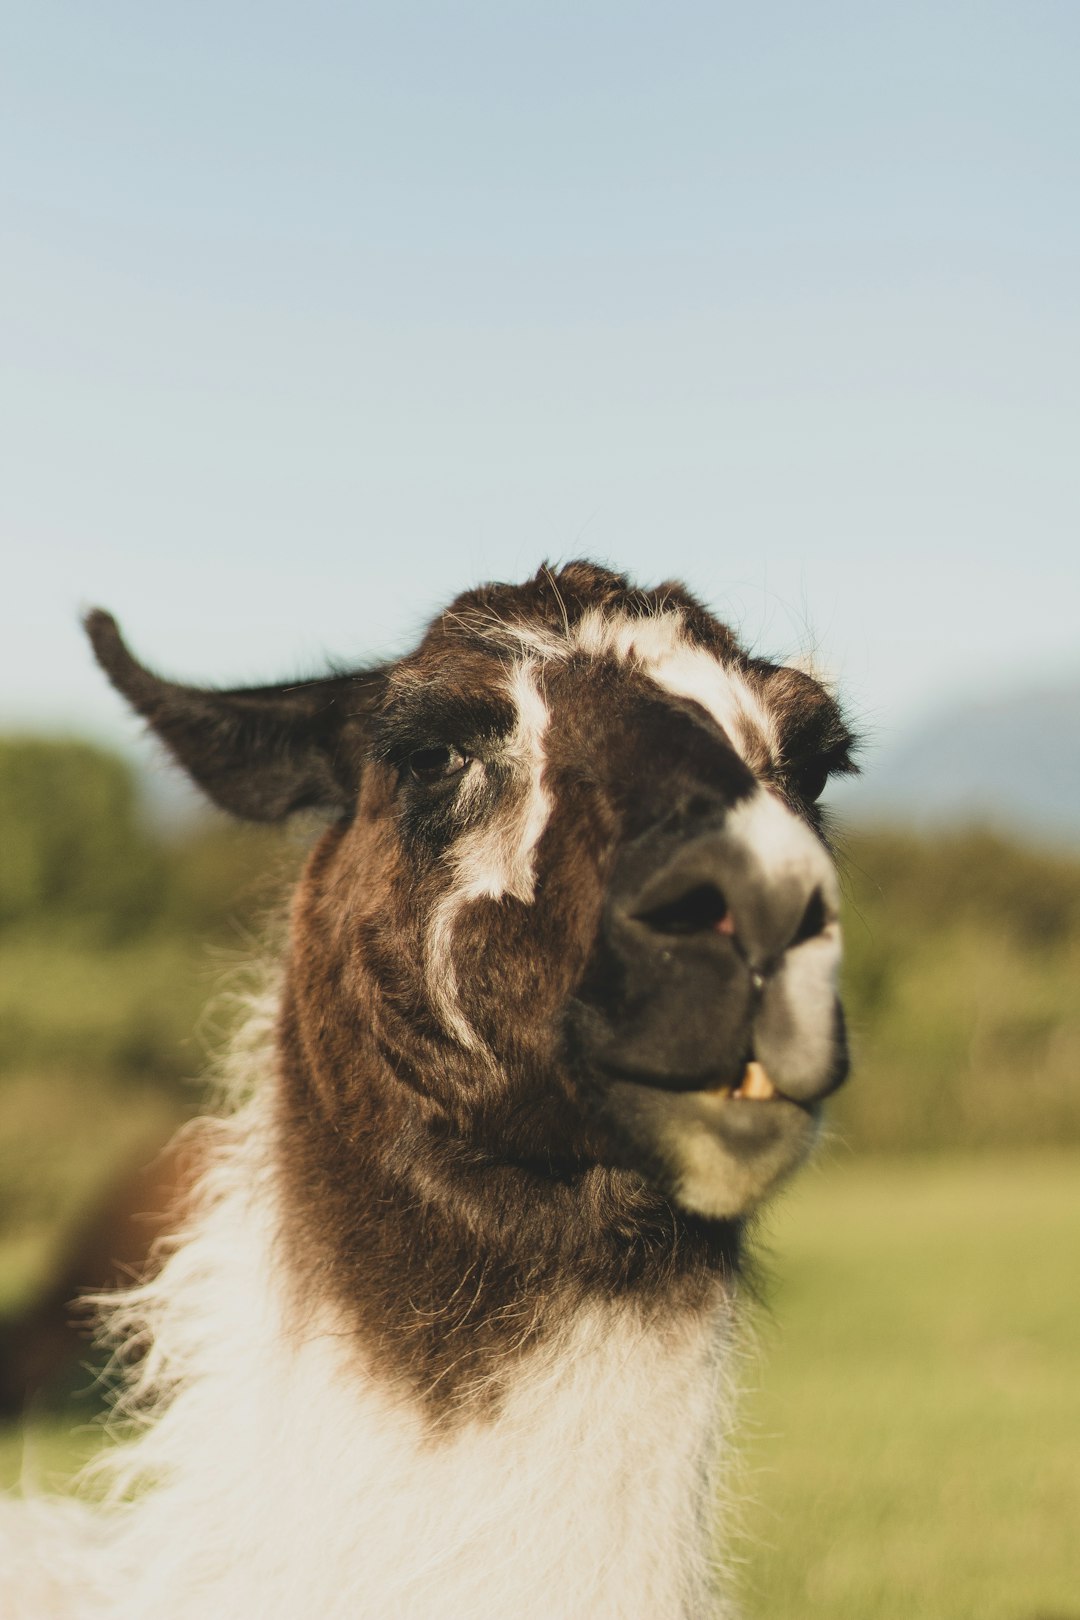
[449,1335]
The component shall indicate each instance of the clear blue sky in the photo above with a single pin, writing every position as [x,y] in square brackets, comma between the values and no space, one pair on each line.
[313,314]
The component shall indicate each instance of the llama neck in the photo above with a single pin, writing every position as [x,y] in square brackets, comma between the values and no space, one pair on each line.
[309,1483]
[448,1261]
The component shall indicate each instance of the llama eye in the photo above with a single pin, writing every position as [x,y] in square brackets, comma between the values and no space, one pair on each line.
[809,783]
[435,764]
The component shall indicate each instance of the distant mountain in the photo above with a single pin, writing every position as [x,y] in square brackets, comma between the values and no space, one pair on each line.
[1012,762]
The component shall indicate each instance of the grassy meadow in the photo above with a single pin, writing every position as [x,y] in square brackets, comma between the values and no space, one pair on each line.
[909,1432]
[910,1443]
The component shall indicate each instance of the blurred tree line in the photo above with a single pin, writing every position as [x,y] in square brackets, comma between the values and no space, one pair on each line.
[108,928]
[114,940]
[962,980]
[963,962]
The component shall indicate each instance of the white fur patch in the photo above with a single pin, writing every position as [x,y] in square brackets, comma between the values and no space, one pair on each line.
[794,1037]
[497,859]
[280,1481]
[695,673]
[781,846]
[659,647]
[794,1031]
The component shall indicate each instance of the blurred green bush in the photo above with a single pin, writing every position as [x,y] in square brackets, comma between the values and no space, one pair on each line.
[963,993]
[111,934]
[114,941]
[75,856]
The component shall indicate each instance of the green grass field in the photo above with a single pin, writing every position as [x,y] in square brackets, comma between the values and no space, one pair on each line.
[914,1440]
[911,1438]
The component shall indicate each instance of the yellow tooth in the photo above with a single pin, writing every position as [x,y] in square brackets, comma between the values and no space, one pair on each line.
[756,1083]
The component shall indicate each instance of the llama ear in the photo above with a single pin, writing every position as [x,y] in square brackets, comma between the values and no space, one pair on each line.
[258,752]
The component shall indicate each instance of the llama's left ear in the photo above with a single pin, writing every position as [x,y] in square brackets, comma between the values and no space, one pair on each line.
[258,752]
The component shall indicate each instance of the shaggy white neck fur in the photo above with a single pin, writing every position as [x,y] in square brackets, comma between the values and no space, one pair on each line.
[281,1483]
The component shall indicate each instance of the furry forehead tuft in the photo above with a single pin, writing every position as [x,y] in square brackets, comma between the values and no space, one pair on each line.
[775,717]
[556,603]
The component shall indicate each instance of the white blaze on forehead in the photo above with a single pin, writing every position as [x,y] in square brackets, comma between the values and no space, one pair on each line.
[526,750]
[695,673]
[659,646]
[497,859]
[685,669]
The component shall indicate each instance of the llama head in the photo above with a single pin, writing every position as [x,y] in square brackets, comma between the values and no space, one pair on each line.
[575,912]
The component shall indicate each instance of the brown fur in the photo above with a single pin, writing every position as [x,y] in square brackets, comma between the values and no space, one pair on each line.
[453,1201]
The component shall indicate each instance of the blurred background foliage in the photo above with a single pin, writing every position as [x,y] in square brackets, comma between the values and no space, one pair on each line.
[961,973]
[119,942]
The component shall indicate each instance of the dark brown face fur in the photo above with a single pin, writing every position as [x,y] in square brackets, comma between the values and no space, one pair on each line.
[494,1047]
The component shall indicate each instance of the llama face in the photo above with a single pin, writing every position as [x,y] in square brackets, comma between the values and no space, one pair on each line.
[575,915]
[603,816]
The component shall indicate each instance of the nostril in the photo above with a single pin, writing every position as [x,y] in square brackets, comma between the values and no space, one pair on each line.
[814,919]
[700,910]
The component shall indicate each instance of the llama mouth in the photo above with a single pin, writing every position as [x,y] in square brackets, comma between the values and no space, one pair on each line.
[755,1086]
[742,1097]
[718,1150]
